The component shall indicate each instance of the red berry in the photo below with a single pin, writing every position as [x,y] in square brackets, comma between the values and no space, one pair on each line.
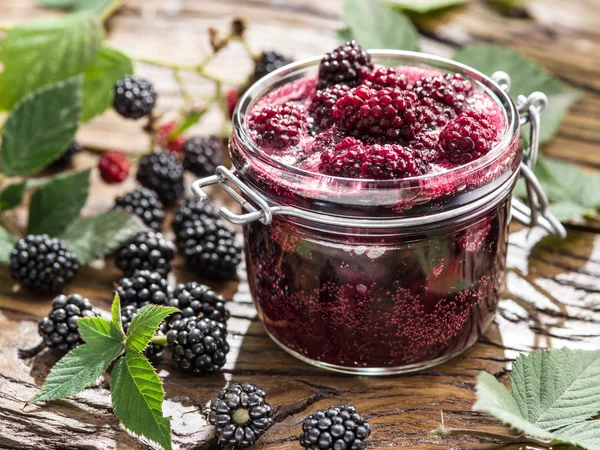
[174,145]
[232,98]
[450,89]
[389,114]
[321,106]
[114,167]
[347,64]
[383,162]
[345,160]
[468,137]
[278,126]
[384,77]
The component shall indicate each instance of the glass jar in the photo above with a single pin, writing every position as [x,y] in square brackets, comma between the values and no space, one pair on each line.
[380,276]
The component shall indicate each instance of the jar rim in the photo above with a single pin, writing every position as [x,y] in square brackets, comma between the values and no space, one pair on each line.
[261,87]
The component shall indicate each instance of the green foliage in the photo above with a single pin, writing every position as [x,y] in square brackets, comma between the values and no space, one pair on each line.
[97,330]
[77,5]
[99,81]
[375,25]
[93,237]
[45,51]
[56,204]
[12,195]
[7,242]
[423,6]
[144,325]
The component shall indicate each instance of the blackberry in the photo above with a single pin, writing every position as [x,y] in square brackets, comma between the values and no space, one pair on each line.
[163,173]
[384,162]
[202,155]
[190,214]
[114,167]
[59,329]
[321,106]
[345,160]
[153,351]
[164,141]
[348,64]
[388,113]
[210,249]
[278,126]
[65,159]
[468,137]
[269,62]
[145,204]
[198,300]
[449,89]
[144,288]
[335,428]
[146,251]
[240,414]
[433,115]
[386,77]
[198,345]
[42,264]
[135,97]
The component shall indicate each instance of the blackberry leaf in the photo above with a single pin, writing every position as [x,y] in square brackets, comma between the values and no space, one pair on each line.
[137,397]
[115,310]
[12,195]
[585,435]
[144,325]
[97,330]
[7,243]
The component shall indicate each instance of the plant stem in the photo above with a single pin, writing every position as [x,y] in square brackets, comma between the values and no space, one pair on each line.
[517,439]
[187,97]
[160,340]
[110,9]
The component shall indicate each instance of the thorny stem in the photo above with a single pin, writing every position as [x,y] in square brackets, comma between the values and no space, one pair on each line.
[25,353]
[187,97]
[511,438]
[199,69]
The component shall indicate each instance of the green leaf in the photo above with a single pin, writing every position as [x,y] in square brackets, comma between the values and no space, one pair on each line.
[585,434]
[526,77]
[96,6]
[100,78]
[344,35]
[40,128]
[555,388]
[7,243]
[98,331]
[45,51]
[144,325]
[137,397]
[117,318]
[56,204]
[423,6]
[61,4]
[494,399]
[93,237]
[375,25]
[78,369]
[12,195]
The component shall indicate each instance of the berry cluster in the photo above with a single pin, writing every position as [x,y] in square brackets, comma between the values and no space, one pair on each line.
[278,126]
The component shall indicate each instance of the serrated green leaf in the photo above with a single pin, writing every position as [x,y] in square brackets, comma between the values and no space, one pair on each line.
[78,369]
[144,325]
[375,25]
[93,237]
[56,204]
[97,331]
[117,318]
[99,81]
[494,399]
[526,77]
[423,6]
[137,397]
[40,127]
[585,435]
[7,243]
[12,195]
[555,388]
[45,51]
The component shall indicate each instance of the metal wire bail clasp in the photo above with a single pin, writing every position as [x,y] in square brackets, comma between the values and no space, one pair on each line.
[536,211]
[222,176]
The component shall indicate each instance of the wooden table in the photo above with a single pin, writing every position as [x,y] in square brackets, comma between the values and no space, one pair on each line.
[552,295]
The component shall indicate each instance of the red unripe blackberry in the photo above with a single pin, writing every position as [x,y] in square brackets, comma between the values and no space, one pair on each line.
[468,137]
[347,64]
[173,145]
[388,114]
[114,167]
[321,106]
[278,126]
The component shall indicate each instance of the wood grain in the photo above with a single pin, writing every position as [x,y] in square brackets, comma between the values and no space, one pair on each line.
[552,294]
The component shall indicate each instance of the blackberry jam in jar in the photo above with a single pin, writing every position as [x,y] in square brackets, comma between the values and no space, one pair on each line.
[376,210]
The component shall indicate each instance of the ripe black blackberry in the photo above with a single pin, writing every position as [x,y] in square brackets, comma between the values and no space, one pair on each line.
[67,156]
[135,97]
[269,61]
[163,173]
[198,345]
[59,329]
[145,204]
[210,249]
[153,351]
[335,428]
[144,288]
[198,300]
[190,214]
[146,251]
[347,64]
[42,264]
[240,414]
[202,155]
